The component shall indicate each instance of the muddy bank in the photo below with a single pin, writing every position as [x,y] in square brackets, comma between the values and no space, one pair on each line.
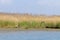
[18,29]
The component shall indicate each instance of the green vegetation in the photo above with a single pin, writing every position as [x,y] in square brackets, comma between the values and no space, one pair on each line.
[53,25]
[42,24]
[58,25]
[7,24]
[24,25]
[50,25]
[27,25]
[31,24]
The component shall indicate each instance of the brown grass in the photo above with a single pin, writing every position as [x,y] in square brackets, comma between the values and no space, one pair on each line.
[25,17]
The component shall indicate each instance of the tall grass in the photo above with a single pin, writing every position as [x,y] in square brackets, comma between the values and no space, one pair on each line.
[24,24]
[27,24]
[31,24]
[42,24]
[58,25]
[7,24]
[53,25]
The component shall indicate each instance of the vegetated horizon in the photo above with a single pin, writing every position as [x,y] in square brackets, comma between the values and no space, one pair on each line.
[28,14]
[27,21]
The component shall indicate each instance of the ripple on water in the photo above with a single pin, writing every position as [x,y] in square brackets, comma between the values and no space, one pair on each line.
[30,35]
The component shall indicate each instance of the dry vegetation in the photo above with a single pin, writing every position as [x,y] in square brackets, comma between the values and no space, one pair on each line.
[25,19]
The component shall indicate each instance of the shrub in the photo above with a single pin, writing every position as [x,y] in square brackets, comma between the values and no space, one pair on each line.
[24,24]
[58,25]
[7,24]
[50,25]
[42,24]
[33,24]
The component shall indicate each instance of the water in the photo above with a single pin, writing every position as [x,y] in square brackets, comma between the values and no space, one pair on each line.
[30,35]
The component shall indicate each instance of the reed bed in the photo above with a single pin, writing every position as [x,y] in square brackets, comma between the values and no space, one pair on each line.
[28,21]
[28,25]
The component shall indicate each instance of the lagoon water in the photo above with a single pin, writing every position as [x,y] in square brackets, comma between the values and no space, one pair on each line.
[30,35]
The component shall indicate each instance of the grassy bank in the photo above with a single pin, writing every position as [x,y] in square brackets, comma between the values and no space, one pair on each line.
[7,24]
[29,24]
[24,21]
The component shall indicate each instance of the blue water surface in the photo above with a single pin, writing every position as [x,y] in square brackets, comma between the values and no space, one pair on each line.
[30,35]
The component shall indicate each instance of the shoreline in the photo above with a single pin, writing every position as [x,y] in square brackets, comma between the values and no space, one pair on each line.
[18,29]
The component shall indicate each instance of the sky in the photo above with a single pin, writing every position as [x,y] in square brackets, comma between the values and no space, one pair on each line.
[45,7]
